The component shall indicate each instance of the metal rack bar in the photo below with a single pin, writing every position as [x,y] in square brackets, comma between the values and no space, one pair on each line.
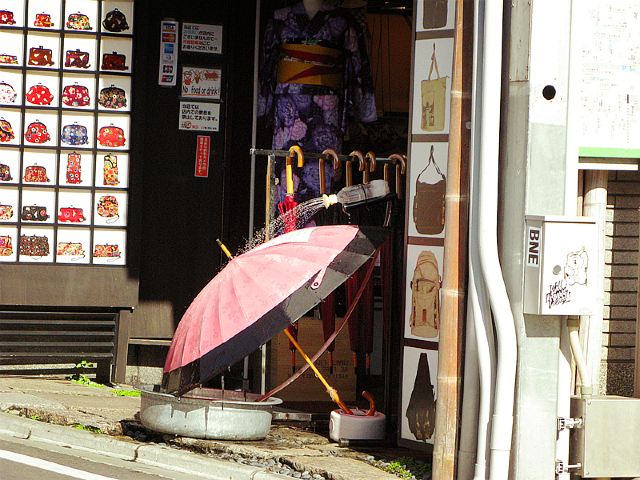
[285,153]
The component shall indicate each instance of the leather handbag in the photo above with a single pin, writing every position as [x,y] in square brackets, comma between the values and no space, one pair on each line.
[6,212]
[114,61]
[429,201]
[71,215]
[34,245]
[6,247]
[6,131]
[115,21]
[76,95]
[78,21]
[106,251]
[113,98]
[43,20]
[70,249]
[433,98]
[74,168]
[39,95]
[5,173]
[434,14]
[37,133]
[6,17]
[40,56]
[76,59]
[35,174]
[111,136]
[74,135]
[34,213]
[7,93]
[8,59]
[110,170]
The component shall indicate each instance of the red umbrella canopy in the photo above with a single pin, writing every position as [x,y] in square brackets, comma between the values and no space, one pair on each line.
[258,294]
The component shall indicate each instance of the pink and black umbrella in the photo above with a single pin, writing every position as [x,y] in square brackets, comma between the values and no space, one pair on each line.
[260,293]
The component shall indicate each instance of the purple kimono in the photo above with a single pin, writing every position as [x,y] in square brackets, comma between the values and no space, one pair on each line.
[314,115]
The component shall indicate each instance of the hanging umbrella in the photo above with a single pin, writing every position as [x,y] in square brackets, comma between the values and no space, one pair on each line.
[258,294]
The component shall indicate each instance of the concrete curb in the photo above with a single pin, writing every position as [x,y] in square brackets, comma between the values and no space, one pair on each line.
[156,455]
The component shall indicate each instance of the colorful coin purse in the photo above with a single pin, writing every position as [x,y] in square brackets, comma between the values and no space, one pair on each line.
[7,93]
[34,213]
[37,133]
[6,212]
[76,59]
[70,249]
[111,136]
[6,248]
[112,97]
[8,59]
[115,21]
[114,61]
[6,132]
[74,135]
[76,96]
[74,168]
[110,170]
[71,214]
[78,21]
[6,18]
[43,20]
[5,173]
[35,174]
[40,56]
[108,208]
[39,95]
[106,251]
[34,245]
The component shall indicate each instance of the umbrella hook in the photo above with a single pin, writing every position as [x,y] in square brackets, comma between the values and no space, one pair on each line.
[400,161]
[294,151]
[372,403]
[370,162]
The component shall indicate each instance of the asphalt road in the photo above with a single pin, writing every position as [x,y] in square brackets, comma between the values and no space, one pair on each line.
[33,460]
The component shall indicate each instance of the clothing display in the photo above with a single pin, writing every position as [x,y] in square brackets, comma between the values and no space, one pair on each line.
[314,80]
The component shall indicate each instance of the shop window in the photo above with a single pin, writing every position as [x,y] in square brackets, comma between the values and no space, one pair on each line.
[65,130]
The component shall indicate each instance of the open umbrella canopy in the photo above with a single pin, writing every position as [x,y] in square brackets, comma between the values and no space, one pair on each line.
[259,294]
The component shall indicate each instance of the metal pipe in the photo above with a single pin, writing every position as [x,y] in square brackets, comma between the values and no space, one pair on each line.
[573,325]
[309,155]
[507,352]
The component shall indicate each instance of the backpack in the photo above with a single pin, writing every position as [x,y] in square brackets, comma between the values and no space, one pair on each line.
[425,297]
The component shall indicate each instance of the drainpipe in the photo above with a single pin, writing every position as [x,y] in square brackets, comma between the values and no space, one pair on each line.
[479,349]
[491,81]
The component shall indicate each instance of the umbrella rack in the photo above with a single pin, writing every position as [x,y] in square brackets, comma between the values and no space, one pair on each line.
[362,343]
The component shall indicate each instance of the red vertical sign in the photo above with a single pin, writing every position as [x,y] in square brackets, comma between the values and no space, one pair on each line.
[203,150]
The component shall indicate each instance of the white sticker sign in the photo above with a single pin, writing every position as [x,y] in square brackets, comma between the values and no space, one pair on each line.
[200,116]
[197,37]
[202,83]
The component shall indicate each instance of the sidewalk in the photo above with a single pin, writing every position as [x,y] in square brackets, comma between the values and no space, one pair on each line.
[47,409]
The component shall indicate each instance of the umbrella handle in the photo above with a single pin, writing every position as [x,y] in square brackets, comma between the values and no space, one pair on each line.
[294,151]
[333,393]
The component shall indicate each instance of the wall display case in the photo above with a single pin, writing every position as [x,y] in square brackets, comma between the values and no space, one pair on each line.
[65,130]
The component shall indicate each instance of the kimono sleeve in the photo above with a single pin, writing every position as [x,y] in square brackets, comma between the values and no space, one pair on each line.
[359,94]
[267,75]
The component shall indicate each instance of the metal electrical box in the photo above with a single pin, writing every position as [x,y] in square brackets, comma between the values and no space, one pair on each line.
[560,265]
[608,442]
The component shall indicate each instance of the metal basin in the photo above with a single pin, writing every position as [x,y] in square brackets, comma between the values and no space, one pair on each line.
[207,413]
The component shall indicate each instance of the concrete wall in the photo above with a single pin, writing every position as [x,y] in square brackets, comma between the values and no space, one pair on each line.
[621,283]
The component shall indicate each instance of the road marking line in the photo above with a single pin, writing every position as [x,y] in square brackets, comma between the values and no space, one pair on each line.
[52,467]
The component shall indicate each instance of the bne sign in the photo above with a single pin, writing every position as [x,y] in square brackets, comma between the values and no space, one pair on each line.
[533,247]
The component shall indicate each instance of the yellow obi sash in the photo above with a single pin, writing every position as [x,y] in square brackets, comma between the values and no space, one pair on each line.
[310,65]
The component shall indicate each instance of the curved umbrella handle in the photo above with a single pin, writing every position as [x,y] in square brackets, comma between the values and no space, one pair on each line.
[357,154]
[372,403]
[400,161]
[294,151]
[370,159]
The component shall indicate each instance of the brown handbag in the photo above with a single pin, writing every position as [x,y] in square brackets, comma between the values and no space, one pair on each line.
[429,201]
[435,14]
[40,56]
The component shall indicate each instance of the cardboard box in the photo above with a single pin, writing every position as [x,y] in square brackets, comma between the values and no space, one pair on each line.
[308,387]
